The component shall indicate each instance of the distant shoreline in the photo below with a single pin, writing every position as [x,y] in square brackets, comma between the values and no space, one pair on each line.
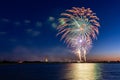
[29,62]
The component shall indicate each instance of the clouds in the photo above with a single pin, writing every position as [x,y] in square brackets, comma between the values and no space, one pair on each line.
[51,19]
[27,21]
[27,32]
[24,53]
[29,27]
[21,53]
[17,23]
[53,22]
[32,32]
[35,33]
[26,27]
[56,53]
[35,37]
[21,22]
[38,24]
[3,33]
[54,25]
[35,23]
[5,20]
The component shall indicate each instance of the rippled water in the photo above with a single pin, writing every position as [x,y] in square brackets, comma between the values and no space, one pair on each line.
[68,71]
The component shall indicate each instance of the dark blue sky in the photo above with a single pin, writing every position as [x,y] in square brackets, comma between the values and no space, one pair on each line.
[27,28]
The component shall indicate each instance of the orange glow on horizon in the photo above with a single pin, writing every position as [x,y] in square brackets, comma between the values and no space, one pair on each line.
[104,58]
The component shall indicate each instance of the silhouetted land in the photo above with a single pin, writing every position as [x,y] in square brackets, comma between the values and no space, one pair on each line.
[22,62]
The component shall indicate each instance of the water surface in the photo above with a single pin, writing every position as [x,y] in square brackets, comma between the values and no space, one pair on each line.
[60,71]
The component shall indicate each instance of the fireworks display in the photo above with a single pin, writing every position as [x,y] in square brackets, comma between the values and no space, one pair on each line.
[78,26]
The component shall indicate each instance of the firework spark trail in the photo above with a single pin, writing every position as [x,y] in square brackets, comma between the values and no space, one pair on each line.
[78,26]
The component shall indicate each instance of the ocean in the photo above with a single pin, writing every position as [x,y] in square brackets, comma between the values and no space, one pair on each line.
[60,71]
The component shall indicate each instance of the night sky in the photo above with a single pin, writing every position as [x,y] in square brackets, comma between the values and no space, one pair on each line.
[27,29]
